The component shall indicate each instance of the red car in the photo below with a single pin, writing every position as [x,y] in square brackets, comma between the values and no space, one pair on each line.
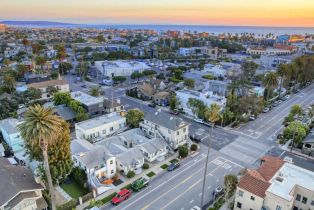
[121,196]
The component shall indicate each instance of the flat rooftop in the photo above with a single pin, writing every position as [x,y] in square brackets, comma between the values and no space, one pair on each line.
[289,176]
[99,121]
[85,98]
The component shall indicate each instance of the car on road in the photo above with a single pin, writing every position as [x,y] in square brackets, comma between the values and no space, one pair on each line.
[174,112]
[121,196]
[196,208]
[287,97]
[139,184]
[266,109]
[218,191]
[173,166]
[152,105]
[276,103]
[198,120]
[251,118]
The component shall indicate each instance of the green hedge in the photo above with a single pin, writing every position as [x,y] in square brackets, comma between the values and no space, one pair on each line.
[151,174]
[69,205]
[164,166]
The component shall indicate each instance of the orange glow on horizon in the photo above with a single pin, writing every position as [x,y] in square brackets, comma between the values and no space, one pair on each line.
[196,12]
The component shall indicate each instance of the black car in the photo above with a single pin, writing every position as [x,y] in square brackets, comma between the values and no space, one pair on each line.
[152,105]
[173,166]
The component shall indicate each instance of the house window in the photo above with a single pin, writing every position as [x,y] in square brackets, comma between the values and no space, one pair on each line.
[241,193]
[104,131]
[111,161]
[298,197]
[312,203]
[239,205]
[184,130]
[178,133]
[169,131]
[295,208]
[111,128]
[278,207]
[112,171]
[304,200]
[252,198]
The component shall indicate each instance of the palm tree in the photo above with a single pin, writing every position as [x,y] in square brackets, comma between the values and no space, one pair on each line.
[95,91]
[283,72]
[213,115]
[270,82]
[9,83]
[39,128]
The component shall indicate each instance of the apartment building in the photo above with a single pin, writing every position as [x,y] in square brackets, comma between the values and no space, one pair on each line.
[172,129]
[276,185]
[98,128]
[93,105]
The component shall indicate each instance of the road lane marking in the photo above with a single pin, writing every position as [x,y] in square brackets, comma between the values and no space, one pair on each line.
[191,201]
[178,186]
[173,177]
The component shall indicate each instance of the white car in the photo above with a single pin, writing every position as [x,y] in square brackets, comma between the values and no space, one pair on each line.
[198,120]
[195,208]
[287,96]
[266,109]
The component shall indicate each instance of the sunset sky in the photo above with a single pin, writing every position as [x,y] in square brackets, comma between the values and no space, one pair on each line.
[195,12]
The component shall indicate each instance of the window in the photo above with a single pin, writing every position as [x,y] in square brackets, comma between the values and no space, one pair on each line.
[169,131]
[278,207]
[104,131]
[178,133]
[239,205]
[184,130]
[304,200]
[252,198]
[241,193]
[295,208]
[298,197]
[111,128]
[312,203]
[112,171]
[111,161]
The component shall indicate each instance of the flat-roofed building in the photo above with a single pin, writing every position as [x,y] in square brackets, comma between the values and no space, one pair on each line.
[98,128]
[93,105]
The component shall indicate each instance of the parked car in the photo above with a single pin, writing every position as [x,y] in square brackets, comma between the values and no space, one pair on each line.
[174,112]
[173,166]
[139,184]
[251,118]
[152,105]
[198,120]
[266,109]
[287,97]
[195,208]
[218,191]
[121,196]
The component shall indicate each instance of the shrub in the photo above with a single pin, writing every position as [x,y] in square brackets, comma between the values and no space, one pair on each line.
[209,77]
[151,174]
[174,160]
[193,147]
[130,174]
[164,166]
[128,186]
[145,166]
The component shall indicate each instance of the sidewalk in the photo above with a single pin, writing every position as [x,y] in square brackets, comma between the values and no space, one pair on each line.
[286,148]
[156,169]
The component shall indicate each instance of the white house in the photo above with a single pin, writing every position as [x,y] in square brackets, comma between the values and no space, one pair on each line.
[171,129]
[215,70]
[120,67]
[100,127]
[98,164]
[207,97]
[11,135]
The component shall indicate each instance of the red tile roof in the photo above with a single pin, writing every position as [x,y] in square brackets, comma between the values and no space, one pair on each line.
[257,181]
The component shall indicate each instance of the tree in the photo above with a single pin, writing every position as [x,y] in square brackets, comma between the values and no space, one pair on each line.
[295,131]
[52,90]
[173,102]
[248,69]
[22,69]
[296,109]
[190,83]
[25,42]
[197,106]
[9,83]
[54,75]
[39,60]
[39,129]
[64,67]
[61,52]
[183,151]
[212,114]
[82,69]
[178,74]
[149,72]
[230,183]
[118,79]
[133,117]
[136,75]
[60,162]
[95,91]
[31,94]
[283,72]
[81,116]
[61,98]
[270,82]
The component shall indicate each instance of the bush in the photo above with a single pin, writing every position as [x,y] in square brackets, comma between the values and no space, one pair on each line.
[128,186]
[130,174]
[209,77]
[164,166]
[193,147]
[183,151]
[145,166]
[174,160]
[151,174]
[68,206]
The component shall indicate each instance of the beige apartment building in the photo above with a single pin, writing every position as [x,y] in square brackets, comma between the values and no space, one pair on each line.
[276,185]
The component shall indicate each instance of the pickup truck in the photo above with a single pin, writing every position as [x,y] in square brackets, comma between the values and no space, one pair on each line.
[139,184]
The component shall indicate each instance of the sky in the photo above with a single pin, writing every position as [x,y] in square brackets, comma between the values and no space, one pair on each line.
[179,12]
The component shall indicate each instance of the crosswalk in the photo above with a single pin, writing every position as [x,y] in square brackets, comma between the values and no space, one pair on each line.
[244,150]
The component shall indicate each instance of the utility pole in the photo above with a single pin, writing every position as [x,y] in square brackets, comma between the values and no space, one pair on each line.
[205,172]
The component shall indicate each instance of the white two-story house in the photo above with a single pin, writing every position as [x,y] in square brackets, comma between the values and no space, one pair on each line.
[172,129]
[98,164]
[11,135]
[98,128]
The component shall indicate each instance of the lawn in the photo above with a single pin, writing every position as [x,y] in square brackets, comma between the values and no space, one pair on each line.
[74,190]
[150,174]
[164,166]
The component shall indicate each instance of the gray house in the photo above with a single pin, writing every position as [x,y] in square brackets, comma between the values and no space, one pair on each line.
[93,105]
[308,144]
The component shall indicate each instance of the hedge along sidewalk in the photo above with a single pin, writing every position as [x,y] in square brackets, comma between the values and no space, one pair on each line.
[156,169]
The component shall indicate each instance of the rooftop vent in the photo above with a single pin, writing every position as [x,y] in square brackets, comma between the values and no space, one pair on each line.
[279,179]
